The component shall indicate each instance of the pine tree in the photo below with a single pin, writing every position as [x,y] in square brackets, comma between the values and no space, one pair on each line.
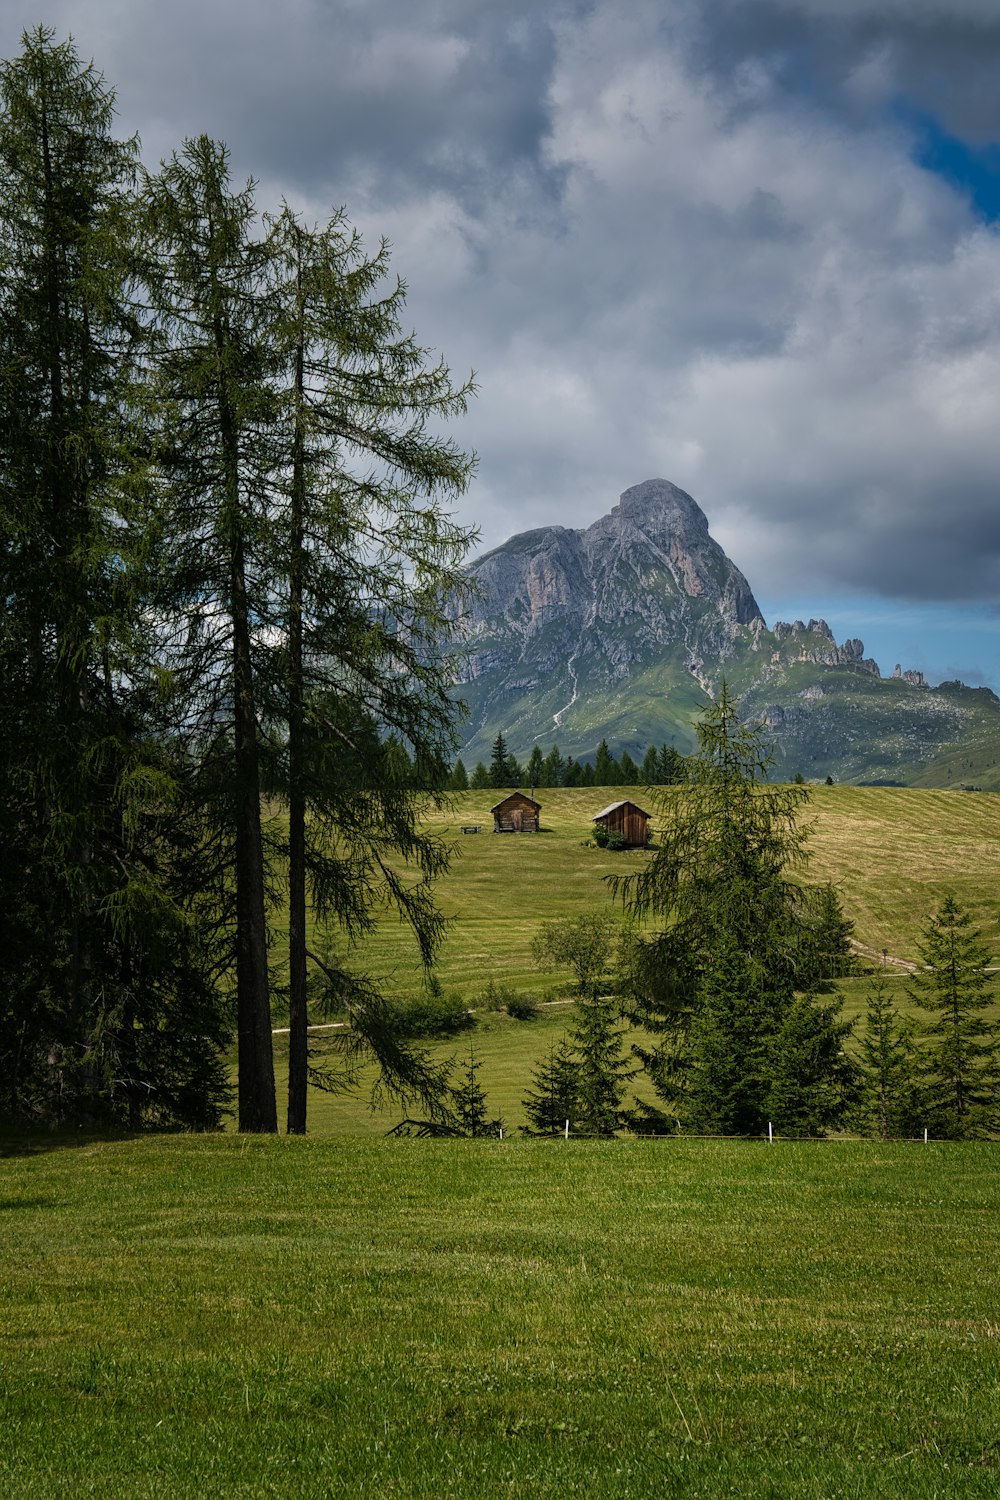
[961,1049]
[479,781]
[602,1068]
[890,1102]
[812,1081]
[606,771]
[102,951]
[556,1094]
[717,983]
[458,781]
[499,764]
[649,773]
[217,364]
[628,770]
[373,563]
[534,771]
[555,766]
[468,1104]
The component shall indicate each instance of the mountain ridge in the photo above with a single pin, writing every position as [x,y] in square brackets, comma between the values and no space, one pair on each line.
[623,630]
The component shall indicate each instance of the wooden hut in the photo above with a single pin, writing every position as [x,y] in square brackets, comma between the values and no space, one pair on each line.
[628,820]
[516,814]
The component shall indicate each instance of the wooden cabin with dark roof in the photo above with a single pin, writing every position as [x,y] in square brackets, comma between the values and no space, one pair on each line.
[516,814]
[628,820]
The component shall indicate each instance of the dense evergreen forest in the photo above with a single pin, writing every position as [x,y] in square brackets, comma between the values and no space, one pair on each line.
[226,550]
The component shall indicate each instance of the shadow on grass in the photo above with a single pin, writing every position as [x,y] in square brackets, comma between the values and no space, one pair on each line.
[22,1140]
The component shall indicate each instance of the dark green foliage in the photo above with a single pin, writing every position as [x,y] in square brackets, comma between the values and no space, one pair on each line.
[628,771]
[602,1069]
[534,771]
[726,984]
[468,1104]
[499,770]
[811,1080]
[458,781]
[890,1099]
[960,1053]
[554,768]
[606,769]
[107,1011]
[827,950]
[556,1094]
[433,1015]
[480,779]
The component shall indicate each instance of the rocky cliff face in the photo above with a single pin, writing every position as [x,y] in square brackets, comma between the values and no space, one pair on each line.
[646,578]
[621,630]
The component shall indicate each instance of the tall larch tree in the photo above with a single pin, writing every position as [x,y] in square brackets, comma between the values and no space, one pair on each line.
[373,563]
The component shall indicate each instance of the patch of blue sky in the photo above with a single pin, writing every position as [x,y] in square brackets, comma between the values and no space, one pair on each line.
[944,641]
[973,171]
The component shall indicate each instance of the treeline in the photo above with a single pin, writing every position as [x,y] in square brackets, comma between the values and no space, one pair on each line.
[661,766]
[226,562]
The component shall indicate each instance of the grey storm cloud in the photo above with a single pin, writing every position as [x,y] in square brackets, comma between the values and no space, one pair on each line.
[675,239]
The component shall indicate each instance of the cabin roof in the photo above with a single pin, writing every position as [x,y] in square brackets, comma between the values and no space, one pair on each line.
[514,796]
[613,805]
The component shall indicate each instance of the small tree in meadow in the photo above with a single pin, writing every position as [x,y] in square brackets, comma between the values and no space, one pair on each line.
[458,781]
[602,1069]
[556,1094]
[468,1103]
[584,944]
[890,1096]
[961,1061]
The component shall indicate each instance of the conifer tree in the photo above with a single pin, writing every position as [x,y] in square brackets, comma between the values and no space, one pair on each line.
[890,1101]
[628,770]
[602,1068]
[458,781]
[606,770]
[468,1103]
[961,1041]
[373,563]
[534,771]
[479,781]
[555,1097]
[649,773]
[216,368]
[499,770]
[106,1004]
[554,768]
[718,983]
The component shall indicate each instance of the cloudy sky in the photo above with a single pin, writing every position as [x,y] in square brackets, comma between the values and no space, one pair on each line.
[751,246]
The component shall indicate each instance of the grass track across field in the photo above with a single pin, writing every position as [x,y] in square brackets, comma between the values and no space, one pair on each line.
[269,1317]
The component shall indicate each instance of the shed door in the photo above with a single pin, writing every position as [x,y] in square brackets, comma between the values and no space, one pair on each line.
[516,818]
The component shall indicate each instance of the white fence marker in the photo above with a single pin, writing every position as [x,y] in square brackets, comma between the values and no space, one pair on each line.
[770,1134]
[566,1131]
[925,1135]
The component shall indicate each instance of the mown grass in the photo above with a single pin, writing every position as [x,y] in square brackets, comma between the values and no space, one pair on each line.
[891,853]
[250,1317]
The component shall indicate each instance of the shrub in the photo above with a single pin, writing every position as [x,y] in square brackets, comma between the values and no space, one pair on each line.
[433,1015]
[522,1007]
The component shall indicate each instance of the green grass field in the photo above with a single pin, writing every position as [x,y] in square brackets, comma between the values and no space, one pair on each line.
[269,1317]
[890,852]
[350,1315]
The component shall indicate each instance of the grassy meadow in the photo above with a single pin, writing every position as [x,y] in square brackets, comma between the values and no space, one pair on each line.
[890,852]
[266,1317]
[345,1314]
